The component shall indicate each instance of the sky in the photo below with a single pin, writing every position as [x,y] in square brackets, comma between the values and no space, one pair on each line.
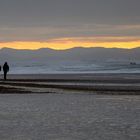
[63,24]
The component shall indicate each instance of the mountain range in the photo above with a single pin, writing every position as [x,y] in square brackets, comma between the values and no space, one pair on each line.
[73,55]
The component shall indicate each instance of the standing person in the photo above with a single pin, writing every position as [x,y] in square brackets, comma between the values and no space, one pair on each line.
[5,70]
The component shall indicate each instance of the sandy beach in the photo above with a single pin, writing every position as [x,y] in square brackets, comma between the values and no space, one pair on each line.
[70,107]
[56,83]
[69,117]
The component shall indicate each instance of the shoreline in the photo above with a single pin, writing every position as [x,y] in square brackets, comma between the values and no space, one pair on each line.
[114,84]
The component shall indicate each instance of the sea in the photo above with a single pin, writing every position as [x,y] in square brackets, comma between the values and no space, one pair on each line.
[86,67]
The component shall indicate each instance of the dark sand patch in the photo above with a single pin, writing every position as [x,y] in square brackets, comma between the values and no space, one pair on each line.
[8,90]
[125,84]
[99,89]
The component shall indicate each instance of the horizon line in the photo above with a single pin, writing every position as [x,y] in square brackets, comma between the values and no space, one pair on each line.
[70,48]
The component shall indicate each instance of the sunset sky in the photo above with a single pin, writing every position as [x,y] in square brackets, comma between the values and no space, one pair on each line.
[62,24]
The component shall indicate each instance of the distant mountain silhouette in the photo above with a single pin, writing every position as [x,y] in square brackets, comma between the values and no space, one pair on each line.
[77,54]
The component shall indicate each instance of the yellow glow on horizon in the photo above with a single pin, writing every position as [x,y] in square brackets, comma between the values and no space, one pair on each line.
[68,43]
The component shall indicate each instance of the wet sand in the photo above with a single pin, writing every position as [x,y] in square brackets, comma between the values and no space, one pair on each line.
[93,83]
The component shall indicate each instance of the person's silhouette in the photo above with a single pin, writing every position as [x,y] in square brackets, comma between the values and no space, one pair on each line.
[5,70]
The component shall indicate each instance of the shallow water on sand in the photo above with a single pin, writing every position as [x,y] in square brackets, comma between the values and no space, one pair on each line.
[69,117]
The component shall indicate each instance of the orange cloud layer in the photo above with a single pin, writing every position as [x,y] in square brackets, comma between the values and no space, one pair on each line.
[65,43]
